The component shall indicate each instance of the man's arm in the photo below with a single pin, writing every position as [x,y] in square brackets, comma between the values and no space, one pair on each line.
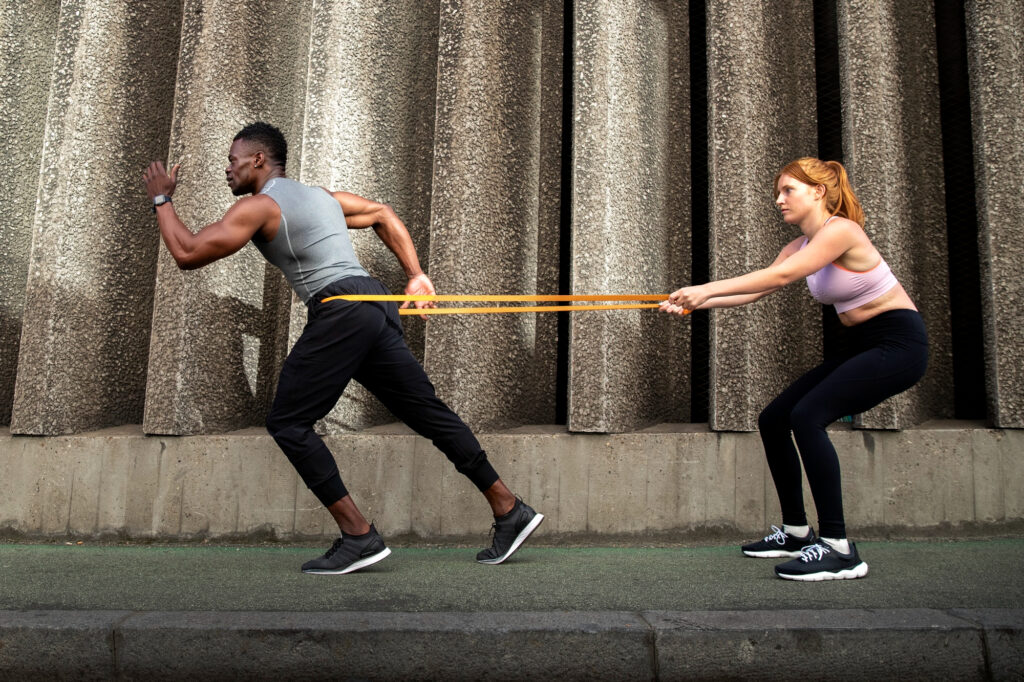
[216,240]
[361,213]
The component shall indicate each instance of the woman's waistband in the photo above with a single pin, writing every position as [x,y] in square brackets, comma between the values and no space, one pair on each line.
[902,323]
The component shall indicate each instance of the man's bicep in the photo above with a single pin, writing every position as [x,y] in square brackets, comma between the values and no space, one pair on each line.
[359,211]
[227,235]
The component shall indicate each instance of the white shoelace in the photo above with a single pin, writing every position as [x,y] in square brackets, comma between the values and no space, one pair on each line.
[778,536]
[814,552]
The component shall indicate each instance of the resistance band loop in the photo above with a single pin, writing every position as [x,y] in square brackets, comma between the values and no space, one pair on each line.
[540,298]
[521,309]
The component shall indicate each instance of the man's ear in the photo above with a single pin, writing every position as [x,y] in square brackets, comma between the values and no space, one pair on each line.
[259,159]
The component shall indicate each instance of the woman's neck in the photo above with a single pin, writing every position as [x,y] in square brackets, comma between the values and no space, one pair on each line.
[814,221]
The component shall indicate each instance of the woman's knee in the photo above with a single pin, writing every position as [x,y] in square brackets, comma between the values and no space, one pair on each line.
[772,419]
[806,417]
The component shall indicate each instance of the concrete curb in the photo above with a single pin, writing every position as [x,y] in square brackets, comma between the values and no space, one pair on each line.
[662,645]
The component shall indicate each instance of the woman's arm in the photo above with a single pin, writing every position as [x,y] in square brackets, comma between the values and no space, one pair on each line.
[793,263]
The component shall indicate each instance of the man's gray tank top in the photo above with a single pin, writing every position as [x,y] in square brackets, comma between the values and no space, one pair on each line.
[312,246]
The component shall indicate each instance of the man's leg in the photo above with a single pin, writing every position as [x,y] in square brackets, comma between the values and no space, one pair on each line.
[393,374]
[335,340]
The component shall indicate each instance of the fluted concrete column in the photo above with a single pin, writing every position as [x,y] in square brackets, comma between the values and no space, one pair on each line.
[82,361]
[494,220]
[995,40]
[761,98]
[27,32]
[369,130]
[630,212]
[219,332]
[892,143]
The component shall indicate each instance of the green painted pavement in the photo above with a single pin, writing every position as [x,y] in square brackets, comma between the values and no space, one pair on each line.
[941,575]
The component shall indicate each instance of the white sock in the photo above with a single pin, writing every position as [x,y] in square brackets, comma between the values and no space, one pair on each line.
[841,546]
[796,531]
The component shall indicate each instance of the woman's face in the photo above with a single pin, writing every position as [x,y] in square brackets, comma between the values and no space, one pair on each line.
[796,200]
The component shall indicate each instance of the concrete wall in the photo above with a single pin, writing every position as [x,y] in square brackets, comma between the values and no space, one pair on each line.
[89,295]
[757,122]
[369,129]
[27,33]
[494,220]
[219,333]
[671,481]
[630,211]
[995,38]
[892,142]
[453,111]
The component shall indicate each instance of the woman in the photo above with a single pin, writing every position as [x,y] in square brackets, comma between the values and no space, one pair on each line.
[887,354]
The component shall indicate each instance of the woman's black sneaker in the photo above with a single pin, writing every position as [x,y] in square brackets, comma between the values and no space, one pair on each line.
[510,531]
[349,553]
[822,561]
[779,544]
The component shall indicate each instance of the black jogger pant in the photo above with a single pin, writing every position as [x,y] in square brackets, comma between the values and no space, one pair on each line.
[884,356]
[345,340]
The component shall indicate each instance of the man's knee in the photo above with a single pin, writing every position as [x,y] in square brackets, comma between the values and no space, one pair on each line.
[284,431]
[274,424]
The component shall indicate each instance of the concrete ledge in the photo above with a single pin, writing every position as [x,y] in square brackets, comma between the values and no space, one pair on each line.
[676,480]
[911,643]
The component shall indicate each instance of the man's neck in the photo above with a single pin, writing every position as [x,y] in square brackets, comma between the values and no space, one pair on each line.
[271,174]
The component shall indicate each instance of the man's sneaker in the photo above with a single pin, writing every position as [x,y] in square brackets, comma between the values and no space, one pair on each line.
[349,553]
[822,561]
[510,531]
[779,544]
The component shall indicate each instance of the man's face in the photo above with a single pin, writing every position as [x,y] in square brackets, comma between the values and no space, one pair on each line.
[241,171]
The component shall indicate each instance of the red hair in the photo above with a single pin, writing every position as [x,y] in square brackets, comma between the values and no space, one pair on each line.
[839,197]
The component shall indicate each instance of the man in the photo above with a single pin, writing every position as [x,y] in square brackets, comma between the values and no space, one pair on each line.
[303,230]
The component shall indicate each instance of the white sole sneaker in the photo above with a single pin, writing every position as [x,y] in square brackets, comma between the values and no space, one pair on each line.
[523,534]
[773,554]
[355,565]
[858,571]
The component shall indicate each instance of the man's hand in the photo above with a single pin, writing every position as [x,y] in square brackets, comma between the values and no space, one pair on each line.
[158,181]
[420,285]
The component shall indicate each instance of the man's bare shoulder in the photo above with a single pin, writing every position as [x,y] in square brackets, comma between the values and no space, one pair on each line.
[255,204]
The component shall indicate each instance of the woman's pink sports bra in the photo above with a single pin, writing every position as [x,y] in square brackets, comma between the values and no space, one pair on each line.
[849,289]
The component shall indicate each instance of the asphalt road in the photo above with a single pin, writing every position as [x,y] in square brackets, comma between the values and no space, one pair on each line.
[937,575]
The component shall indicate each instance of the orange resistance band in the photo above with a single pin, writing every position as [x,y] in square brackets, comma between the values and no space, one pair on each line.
[552,298]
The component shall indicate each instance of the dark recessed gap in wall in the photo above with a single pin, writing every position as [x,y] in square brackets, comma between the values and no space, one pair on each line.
[700,327]
[830,129]
[565,220]
[961,212]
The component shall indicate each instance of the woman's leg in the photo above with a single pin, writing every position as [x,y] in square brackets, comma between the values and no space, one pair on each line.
[783,460]
[855,386]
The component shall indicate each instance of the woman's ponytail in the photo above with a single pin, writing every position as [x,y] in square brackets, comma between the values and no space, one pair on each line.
[847,205]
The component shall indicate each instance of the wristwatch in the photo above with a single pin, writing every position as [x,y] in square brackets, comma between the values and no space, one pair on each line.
[160,200]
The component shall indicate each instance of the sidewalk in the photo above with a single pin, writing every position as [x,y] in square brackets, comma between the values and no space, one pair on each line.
[954,609]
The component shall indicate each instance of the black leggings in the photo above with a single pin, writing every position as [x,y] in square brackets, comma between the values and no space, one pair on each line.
[345,340]
[885,355]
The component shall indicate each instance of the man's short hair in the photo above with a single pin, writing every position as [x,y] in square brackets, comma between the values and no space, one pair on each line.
[269,137]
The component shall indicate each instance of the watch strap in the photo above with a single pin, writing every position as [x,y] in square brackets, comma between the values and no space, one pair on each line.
[160,200]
